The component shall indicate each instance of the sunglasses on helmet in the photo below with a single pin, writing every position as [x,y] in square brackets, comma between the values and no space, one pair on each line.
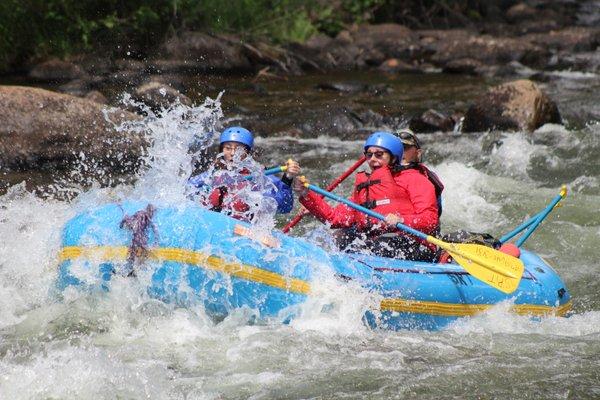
[409,139]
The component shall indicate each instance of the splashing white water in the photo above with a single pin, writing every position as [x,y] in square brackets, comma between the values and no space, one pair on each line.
[172,133]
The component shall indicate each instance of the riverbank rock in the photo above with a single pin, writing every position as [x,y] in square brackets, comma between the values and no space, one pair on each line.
[56,70]
[96,97]
[518,105]
[520,12]
[456,44]
[201,51]
[158,96]
[396,66]
[43,129]
[431,121]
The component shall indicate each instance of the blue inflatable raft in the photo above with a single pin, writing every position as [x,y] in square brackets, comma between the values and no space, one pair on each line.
[199,258]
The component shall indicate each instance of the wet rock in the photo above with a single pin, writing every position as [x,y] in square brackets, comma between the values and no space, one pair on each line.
[573,39]
[277,58]
[520,12]
[96,97]
[56,70]
[341,55]
[76,87]
[396,66]
[431,121]
[382,41]
[97,66]
[457,44]
[337,122]
[467,66]
[373,120]
[176,81]
[159,96]
[537,26]
[518,105]
[318,42]
[206,52]
[39,129]
[364,45]
[346,123]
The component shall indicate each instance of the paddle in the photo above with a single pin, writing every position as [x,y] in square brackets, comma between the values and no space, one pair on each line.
[533,222]
[269,171]
[490,266]
[331,186]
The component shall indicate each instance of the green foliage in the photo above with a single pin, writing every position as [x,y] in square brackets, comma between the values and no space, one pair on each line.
[32,29]
[281,21]
[42,28]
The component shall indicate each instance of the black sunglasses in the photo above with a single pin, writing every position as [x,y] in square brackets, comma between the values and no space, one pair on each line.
[378,154]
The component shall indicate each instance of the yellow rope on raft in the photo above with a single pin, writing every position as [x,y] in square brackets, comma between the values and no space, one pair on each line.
[250,273]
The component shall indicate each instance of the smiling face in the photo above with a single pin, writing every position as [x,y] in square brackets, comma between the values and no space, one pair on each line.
[377,157]
[230,149]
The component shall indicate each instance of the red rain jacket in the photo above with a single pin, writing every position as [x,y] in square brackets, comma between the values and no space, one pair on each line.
[407,193]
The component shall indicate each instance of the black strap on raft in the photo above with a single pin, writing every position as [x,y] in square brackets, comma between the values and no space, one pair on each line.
[138,224]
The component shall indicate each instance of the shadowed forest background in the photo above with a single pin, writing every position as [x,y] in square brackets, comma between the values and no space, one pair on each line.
[35,29]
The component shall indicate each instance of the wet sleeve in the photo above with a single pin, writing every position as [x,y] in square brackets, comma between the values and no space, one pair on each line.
[341,216]
[421,193]
[282,194]
[199,180]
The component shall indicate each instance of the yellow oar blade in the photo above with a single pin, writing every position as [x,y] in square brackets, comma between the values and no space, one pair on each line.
[490,266]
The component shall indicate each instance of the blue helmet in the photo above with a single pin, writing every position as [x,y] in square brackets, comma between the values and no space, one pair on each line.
[387,141]
[237,134]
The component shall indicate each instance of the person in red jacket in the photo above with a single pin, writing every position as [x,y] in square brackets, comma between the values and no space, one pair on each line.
[404,196]
[412,159]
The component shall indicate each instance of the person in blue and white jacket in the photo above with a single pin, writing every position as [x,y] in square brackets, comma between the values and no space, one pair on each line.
[225,188]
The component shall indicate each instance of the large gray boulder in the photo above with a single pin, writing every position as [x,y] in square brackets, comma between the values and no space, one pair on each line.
[518,105]
[40,129]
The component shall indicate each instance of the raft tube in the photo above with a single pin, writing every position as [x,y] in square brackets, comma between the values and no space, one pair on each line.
[199,258]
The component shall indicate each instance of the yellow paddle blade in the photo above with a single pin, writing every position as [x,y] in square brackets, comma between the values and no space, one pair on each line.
[490,266]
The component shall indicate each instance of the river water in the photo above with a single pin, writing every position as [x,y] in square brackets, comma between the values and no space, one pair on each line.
[123,344]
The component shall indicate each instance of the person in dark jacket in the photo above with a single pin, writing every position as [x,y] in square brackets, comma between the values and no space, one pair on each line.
[400,195]
[224,188]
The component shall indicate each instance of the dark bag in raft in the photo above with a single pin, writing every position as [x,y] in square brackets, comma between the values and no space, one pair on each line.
[472,237]
[467,237]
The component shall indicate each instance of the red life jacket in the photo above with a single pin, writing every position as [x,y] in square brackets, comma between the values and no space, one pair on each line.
[223,198]
[385,192]
[406,193]
[379,192]
[433,178]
